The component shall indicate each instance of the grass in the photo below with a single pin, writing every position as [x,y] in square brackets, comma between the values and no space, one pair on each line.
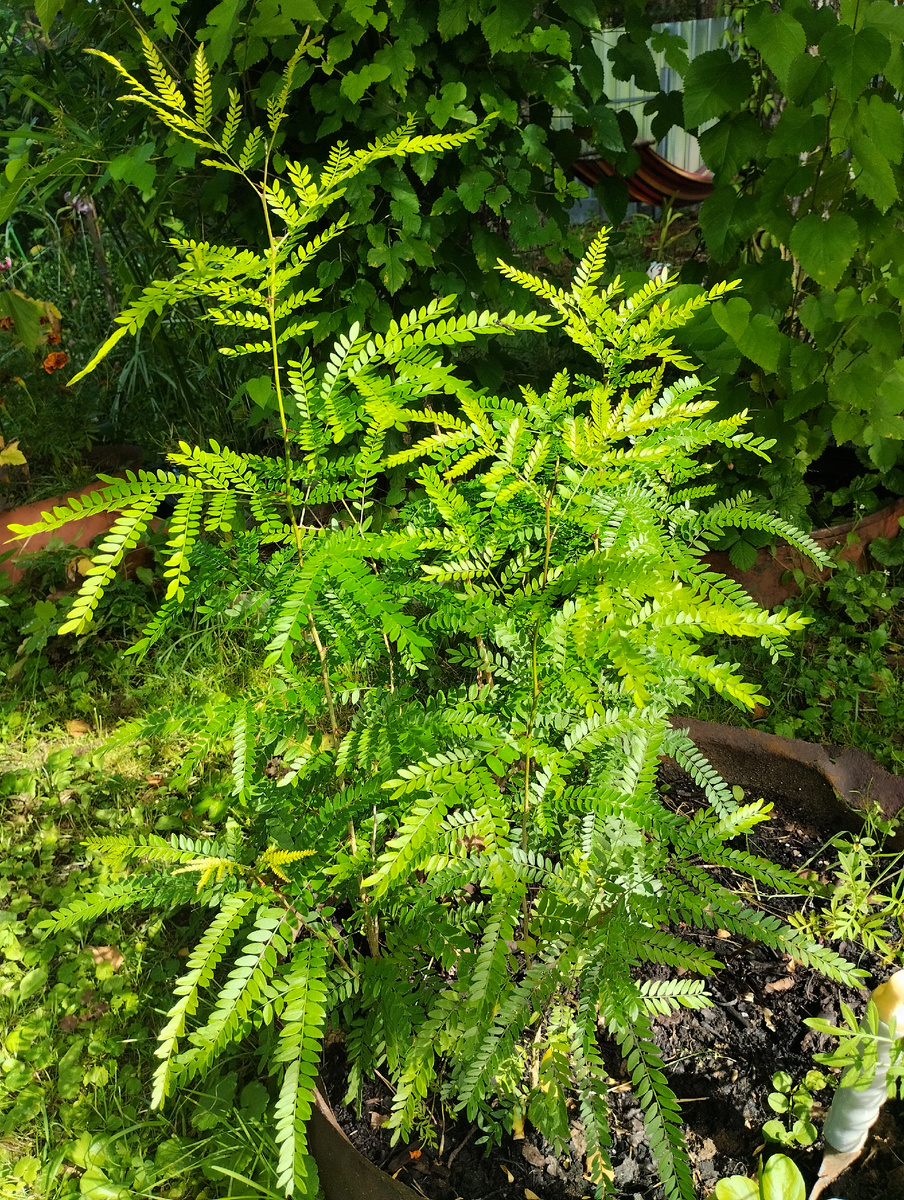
[77,1049]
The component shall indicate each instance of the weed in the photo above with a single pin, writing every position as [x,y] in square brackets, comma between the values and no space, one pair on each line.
[866,898]
[796,1103]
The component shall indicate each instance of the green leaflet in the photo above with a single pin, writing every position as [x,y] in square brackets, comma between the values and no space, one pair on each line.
[298,1049]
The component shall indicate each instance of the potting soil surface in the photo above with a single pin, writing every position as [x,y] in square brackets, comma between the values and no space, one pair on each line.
[718,1060]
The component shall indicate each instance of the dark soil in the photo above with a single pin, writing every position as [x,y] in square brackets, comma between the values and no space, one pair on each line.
[719,1061]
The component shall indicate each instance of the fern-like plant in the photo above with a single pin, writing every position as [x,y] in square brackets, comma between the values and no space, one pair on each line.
[469,690]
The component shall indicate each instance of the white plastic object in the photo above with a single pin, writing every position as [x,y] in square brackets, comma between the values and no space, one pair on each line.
[854,1111]
[659,270]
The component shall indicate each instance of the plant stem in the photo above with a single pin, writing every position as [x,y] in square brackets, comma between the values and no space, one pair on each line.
[525,808]
[324,675]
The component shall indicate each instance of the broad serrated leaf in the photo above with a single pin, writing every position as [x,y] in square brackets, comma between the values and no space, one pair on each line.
[777,36]
[854,58]
[506,19]
[825,247]
[714,84]
[632,61]
[873,175]
[731,143]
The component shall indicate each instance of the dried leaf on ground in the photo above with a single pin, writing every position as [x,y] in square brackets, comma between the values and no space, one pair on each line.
[107,954]
[533,1155]
[779,985]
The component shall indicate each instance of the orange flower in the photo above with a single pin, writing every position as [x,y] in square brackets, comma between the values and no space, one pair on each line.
[56,360]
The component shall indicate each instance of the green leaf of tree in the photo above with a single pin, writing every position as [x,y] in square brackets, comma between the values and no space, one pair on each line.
[356,83]
[816,21]
[585,12]
[631,59]
[762,342]
[808,77]
[134,167]
[757,337]
[881,121]
[361,11]
[390,258]
[534,147]
[26,316]
[777,36]
[673,47]
[853,390]
[883,451]
[846,426]
[398,59]
[733,316]
[726,219]
[163,13]
[447,104]
[798,131]
[885,412]
[473,188]
[825,247]
[742,554]
[46,11]
[731,143]
[551,40]
[504,21]
[875,179]
[607,131]
[590,67]
[405,208]
[453,19]
[714,84]
[854,58]
[223,24]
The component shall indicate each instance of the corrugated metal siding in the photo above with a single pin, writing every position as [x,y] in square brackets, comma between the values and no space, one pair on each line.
[678,147]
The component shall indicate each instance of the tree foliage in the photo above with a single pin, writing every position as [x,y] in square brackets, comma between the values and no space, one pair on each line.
[806,211]
[432,226]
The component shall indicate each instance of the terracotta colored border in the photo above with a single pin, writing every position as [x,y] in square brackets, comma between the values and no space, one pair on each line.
[81,531]
[824,783]
[769,580]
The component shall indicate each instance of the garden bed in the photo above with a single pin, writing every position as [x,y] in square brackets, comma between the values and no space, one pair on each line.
[720,1062]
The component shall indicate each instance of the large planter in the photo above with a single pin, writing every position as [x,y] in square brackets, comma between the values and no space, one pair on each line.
[345,1174]
[770,580]
[80,532]
[818,786]
[826,784]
